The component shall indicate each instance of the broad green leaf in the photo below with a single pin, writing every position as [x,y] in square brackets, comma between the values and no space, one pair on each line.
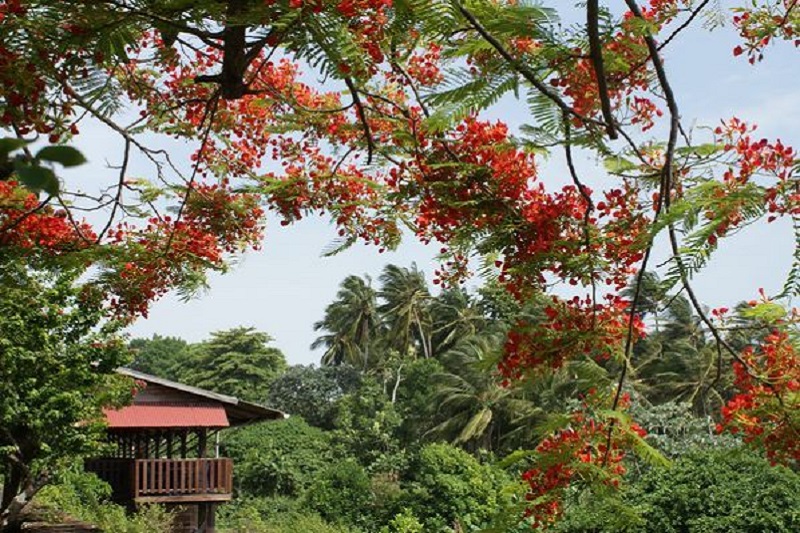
[38,178]
[618,164]
[768,312]
[9,144]
[701,150]
[66,155]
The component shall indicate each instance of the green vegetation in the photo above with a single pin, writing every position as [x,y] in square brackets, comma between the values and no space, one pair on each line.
[57,355]
[85,497]
[411,432]
[706,491]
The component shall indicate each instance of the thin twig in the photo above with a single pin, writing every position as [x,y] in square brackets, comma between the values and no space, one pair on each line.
[118,197]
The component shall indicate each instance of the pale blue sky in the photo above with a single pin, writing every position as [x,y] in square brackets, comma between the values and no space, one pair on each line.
[284,288]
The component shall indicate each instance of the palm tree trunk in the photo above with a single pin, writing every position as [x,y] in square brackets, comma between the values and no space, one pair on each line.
[425,348]
[396,384]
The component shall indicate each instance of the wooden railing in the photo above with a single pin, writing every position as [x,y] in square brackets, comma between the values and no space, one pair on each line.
[168,477]
[150,478]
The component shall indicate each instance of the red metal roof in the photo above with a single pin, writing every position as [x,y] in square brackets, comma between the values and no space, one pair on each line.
[167,416]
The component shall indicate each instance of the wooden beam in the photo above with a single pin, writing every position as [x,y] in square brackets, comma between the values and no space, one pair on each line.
[185,498]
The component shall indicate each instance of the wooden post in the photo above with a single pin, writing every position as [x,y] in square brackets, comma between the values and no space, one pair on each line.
[202,443]
[184,451]
[206,521]
[169,444]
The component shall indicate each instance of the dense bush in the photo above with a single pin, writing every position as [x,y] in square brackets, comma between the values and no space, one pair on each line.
[366,425]
[313,392]
[721,491]
[277,458]
[447,488]
[342,495]
[404,522]
[271,515]
[85,497]
[674,430]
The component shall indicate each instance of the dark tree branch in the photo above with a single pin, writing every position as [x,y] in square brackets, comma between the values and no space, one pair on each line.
[362,116]
[596,57]
[587,214]
[522,69]
[663,204]
[118,197]
[210,114]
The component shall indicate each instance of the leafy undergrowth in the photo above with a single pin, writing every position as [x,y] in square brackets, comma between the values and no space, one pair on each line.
[85,497]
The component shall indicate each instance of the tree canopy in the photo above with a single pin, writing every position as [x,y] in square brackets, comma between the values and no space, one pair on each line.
[394,137]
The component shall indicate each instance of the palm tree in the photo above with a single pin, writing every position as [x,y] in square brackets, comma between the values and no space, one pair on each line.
[677,367]
[477,411]
[405,308]
[352,323]
[455,316]
[651,296]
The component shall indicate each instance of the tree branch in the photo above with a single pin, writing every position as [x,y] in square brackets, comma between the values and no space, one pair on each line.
[596,57]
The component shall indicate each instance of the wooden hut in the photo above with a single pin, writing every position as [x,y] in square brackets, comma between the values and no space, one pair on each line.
[164,449]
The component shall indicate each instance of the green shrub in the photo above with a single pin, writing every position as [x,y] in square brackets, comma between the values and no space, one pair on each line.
[675,431]
[85,497]
[447,488]
[720,491]
[600,511]
[342,495]
[404,522]
[271,515]
[707,491]
[366,426]
[313,392]
[277,458]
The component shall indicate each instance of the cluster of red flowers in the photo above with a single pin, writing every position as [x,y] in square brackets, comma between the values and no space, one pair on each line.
[145,262]
[477,163]
[34,74]
[587,449]
[752,161]
[765,412]
[311,181]
[235,219]
[366,20]
[177,105]
[423,66]
[627,76]
[760,24]
[23,224]
[753,158]
[571,329]
[169,253]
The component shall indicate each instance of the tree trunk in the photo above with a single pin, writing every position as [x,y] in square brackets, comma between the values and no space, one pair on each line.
[425,347]
[396,384]
[17,493]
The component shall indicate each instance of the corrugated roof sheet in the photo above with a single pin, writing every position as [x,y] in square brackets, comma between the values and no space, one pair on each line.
[167,416]
[239,412]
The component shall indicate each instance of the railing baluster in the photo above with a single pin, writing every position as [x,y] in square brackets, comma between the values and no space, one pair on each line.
[165,477]
[198,476]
